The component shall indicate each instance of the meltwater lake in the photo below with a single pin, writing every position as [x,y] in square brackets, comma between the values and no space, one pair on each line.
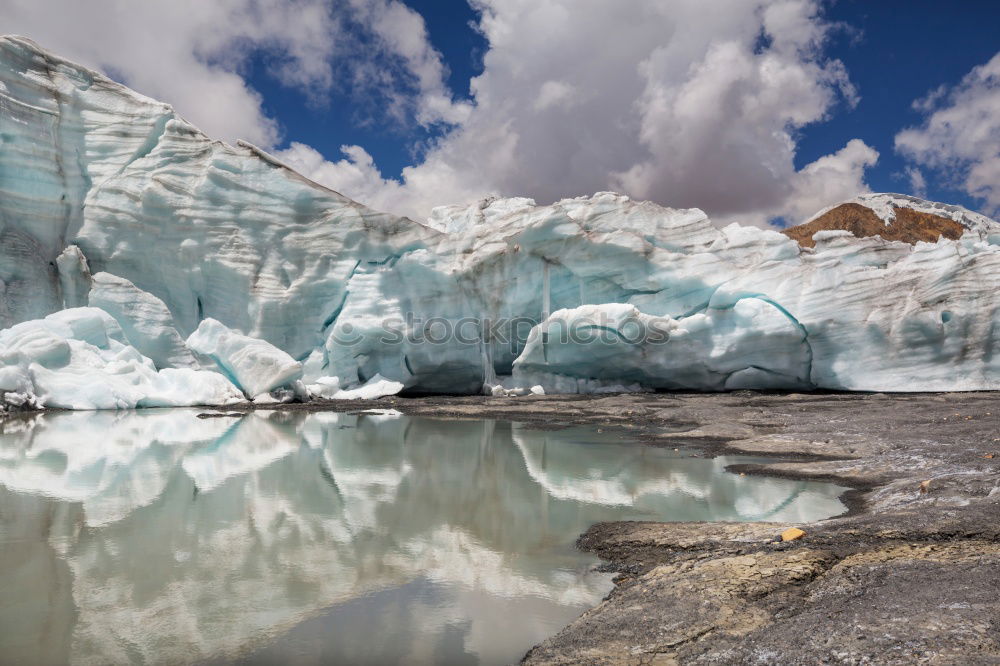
[286,537]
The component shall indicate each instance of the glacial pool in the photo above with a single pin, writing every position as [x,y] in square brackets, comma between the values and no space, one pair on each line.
[288,537]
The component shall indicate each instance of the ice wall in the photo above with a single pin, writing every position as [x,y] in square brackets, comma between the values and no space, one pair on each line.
[210,229]
[110,198]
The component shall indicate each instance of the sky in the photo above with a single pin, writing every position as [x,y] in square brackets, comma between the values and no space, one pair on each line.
[756,111]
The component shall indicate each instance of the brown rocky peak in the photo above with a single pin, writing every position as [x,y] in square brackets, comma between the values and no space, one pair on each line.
[909,226]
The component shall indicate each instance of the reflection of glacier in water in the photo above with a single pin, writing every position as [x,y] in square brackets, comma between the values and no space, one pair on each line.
[160,537]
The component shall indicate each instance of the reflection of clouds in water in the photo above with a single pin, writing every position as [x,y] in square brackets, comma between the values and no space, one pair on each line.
[580,466]
[449,555]
[211,537]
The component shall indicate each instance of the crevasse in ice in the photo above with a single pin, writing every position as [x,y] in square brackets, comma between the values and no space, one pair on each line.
[217,261]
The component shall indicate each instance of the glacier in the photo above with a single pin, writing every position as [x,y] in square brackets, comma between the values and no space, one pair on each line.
[222,275]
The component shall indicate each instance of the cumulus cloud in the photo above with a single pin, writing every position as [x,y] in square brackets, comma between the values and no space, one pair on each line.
[355,173]
[959,139]
[401,34]
[664,101]
[830,179]
[918,182]
[554,93]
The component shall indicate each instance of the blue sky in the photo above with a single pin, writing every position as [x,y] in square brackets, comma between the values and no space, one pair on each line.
[754,110]
[896,52]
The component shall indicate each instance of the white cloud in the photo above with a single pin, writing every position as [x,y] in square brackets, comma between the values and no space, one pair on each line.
[401,33]
[918,183]
[356,173]
[554,93]
[959,141]
[830,179]
[664,101]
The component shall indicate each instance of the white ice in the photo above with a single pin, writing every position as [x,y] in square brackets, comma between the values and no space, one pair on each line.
[255,366]
[80,359]
[111,199]
[145,320]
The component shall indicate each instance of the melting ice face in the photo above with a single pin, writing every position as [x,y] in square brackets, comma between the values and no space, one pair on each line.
[212,273]
[159,536]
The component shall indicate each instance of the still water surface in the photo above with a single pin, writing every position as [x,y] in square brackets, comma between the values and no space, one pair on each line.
[159,537]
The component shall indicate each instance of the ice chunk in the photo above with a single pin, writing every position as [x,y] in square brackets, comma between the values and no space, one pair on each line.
[74,277]
[80,359]
[16,389]
[144,318]
[615,347]
[255,366]
[184,387]
[383,414]
[376,387]
[324,387]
